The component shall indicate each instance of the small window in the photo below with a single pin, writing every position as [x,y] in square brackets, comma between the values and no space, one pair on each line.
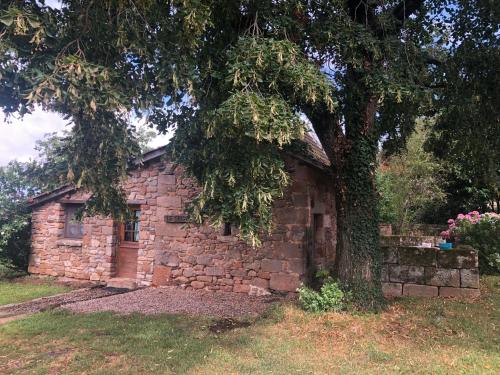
[73,228]
[227,229]
[130,229]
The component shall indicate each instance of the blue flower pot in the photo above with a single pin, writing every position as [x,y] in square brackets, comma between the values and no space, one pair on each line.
[446,246]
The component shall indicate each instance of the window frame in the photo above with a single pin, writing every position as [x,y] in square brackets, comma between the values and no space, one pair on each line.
[70,210]
[135,231]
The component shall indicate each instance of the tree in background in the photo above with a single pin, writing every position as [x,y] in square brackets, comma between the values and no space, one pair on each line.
[410,182]
[466,136]
[16,186]
[234,79]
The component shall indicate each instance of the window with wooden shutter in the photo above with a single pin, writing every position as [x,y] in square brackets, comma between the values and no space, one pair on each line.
[73,228]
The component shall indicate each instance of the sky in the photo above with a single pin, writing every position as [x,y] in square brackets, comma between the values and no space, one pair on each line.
[18,136]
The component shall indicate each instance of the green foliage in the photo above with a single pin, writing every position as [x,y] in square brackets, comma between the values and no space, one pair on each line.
[237,150]
[9,271]
[329,298]
[16,185]
[467,131]
[234,79]
[410,183]
[385,182]
[484,236]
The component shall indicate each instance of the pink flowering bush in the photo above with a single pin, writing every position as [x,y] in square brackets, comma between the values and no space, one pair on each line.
[482,232]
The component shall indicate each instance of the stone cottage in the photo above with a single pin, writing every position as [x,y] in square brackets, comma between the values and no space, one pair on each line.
[160,247]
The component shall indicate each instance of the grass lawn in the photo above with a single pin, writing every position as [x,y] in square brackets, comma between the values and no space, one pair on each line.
[414,336]
[25,289]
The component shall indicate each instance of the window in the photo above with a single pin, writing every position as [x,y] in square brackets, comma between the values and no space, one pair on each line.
[227,229]
[73,228]
[130,229]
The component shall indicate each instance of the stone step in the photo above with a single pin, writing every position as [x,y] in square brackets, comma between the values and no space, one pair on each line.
[121,283]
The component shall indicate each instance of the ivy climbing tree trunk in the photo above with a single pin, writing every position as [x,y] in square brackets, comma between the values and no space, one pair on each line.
[358,253]
[351,146]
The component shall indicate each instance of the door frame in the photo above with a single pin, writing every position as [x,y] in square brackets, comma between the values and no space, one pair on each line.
[127,246]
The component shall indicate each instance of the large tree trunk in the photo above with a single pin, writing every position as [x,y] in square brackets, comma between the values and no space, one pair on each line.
[358,261]
[352,152]
[358,257]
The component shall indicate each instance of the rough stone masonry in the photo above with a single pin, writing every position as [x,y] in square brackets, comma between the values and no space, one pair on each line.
[172,252]
[430,272]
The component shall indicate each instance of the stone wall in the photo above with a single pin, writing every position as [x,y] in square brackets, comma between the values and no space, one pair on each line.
[89,258]
[192,256]
[430,272]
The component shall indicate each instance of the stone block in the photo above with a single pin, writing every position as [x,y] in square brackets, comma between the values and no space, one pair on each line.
[258,291]
[284,282]
[170,229]
[390,241]
[406,274]
[168,201]
[214,271]
[287,250]
[197,284]
[204,278]
[188,272]
[458,292]
[390,254]
[384,273]
[264,275]
[261,283]
[469,278]
[392,289]
[168,259]
[414,290]
[181,280]
[417,256]
[206,260]
[238,273]
[291,215]
[296,266]
[442,277]
[300,199]
[161,275]
[271,265]
[461,257]
[166,179]
[241,288]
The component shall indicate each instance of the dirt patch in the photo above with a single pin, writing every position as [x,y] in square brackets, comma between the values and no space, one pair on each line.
[175,300]
[224,325]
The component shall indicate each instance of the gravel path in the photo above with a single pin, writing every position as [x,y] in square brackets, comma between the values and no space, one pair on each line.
[177,300]
[44,303]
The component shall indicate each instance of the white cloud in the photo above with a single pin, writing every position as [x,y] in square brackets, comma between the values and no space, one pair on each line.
[18,137]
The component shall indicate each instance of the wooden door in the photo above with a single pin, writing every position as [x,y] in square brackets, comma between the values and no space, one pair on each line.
[128,247]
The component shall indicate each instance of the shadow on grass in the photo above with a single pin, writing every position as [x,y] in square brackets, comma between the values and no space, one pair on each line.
[458,323]
[105,342]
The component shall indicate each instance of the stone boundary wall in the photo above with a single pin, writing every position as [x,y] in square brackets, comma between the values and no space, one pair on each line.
[430,272]
[412,230]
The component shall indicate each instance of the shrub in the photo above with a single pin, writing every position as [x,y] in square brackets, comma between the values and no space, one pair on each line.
[9,271]
[329,298]
[482,232]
